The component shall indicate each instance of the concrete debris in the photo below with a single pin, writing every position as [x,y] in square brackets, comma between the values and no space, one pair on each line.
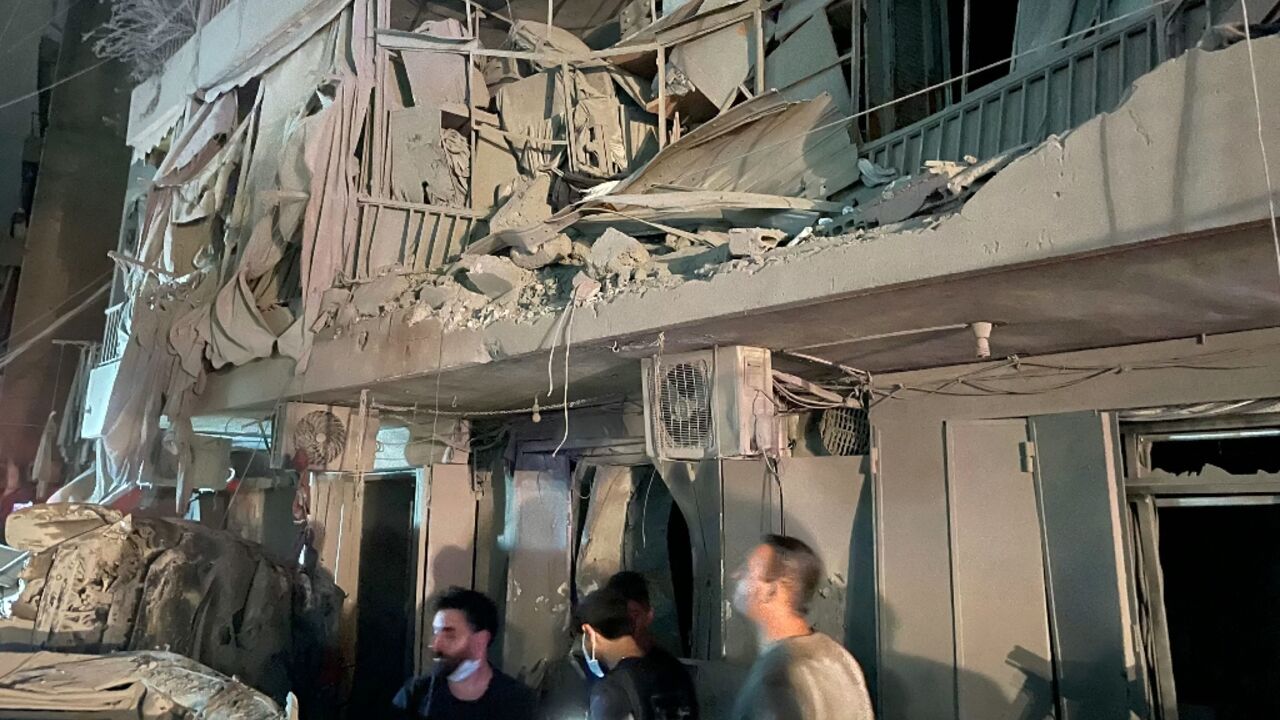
[525,206]
[555,250]
[150,684]
[494,276]
[371,297]
[615,253]
[585,288]
[40,527]
[940,187]
[753,242]
[144,583]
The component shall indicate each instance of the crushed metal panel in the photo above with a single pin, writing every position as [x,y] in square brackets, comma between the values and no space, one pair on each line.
[793,15]
[789,68]
[539,535]
[765,145]
[601,553]
[718,64]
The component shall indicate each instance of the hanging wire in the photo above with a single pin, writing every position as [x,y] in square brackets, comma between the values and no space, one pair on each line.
[1262,143]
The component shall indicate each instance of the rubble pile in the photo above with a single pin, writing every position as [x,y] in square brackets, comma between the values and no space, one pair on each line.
[100,582]
[584,168]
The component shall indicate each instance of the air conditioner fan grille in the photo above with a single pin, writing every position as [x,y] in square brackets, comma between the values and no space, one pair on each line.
[845,431]
[684,405]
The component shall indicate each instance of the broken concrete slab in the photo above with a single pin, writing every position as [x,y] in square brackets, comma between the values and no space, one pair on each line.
[371,297]
[615,253]
[687,262]
[556,250]
[527,206]
[753,242]
[494,276]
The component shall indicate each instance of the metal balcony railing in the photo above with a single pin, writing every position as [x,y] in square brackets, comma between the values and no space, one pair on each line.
[1088,77]
[206,12]
[115,335]
[412,236]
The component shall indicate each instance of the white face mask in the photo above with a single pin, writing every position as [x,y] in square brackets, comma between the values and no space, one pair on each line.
[592,663]
[465,669]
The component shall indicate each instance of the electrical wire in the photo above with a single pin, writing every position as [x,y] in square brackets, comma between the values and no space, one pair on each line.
[39,319]
[568,342]
[54,84]
[12,355]
[40,30]
[8,23]
[978,382]
[1262,143]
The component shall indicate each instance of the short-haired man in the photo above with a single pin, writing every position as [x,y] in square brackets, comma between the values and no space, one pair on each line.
[640,685]
[632,586]
[462,685]
[800,674]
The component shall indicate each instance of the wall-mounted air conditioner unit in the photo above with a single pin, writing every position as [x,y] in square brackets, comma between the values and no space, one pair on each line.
[714,403]
[328,438]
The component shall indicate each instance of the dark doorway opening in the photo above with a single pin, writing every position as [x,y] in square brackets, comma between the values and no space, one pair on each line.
[386,591]
[680,550]
[1221,570]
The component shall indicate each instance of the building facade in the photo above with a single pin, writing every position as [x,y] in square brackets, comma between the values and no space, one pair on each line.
[515,300]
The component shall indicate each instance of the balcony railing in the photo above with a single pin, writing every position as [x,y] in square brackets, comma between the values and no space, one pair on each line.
[208,9]
[1088,77]
[408,235]
[115,335]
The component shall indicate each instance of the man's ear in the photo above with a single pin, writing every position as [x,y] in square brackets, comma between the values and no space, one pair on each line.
[485,639]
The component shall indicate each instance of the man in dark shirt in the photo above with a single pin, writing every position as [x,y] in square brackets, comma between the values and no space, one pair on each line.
[640,684]
[462,685]
[635,589]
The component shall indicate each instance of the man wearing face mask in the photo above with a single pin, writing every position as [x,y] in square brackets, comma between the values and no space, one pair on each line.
[462,685]
[800,674]
[640,684]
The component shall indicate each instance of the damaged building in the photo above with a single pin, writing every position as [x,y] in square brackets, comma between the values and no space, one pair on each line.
[980,300]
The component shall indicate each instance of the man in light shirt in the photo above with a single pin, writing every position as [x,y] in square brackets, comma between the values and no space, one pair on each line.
[801,674]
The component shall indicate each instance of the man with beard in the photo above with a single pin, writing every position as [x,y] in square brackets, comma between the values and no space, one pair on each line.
[462,685]
[800,674]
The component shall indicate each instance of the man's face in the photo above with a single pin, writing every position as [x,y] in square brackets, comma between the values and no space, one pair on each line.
[752,588]
[453,640]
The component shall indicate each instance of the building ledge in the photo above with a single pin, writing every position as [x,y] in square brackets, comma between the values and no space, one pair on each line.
[1143,175]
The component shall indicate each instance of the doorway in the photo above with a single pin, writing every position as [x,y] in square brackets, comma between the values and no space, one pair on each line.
[385,592]
[1221,566]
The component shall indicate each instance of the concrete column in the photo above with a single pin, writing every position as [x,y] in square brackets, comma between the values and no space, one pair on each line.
[75,221]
